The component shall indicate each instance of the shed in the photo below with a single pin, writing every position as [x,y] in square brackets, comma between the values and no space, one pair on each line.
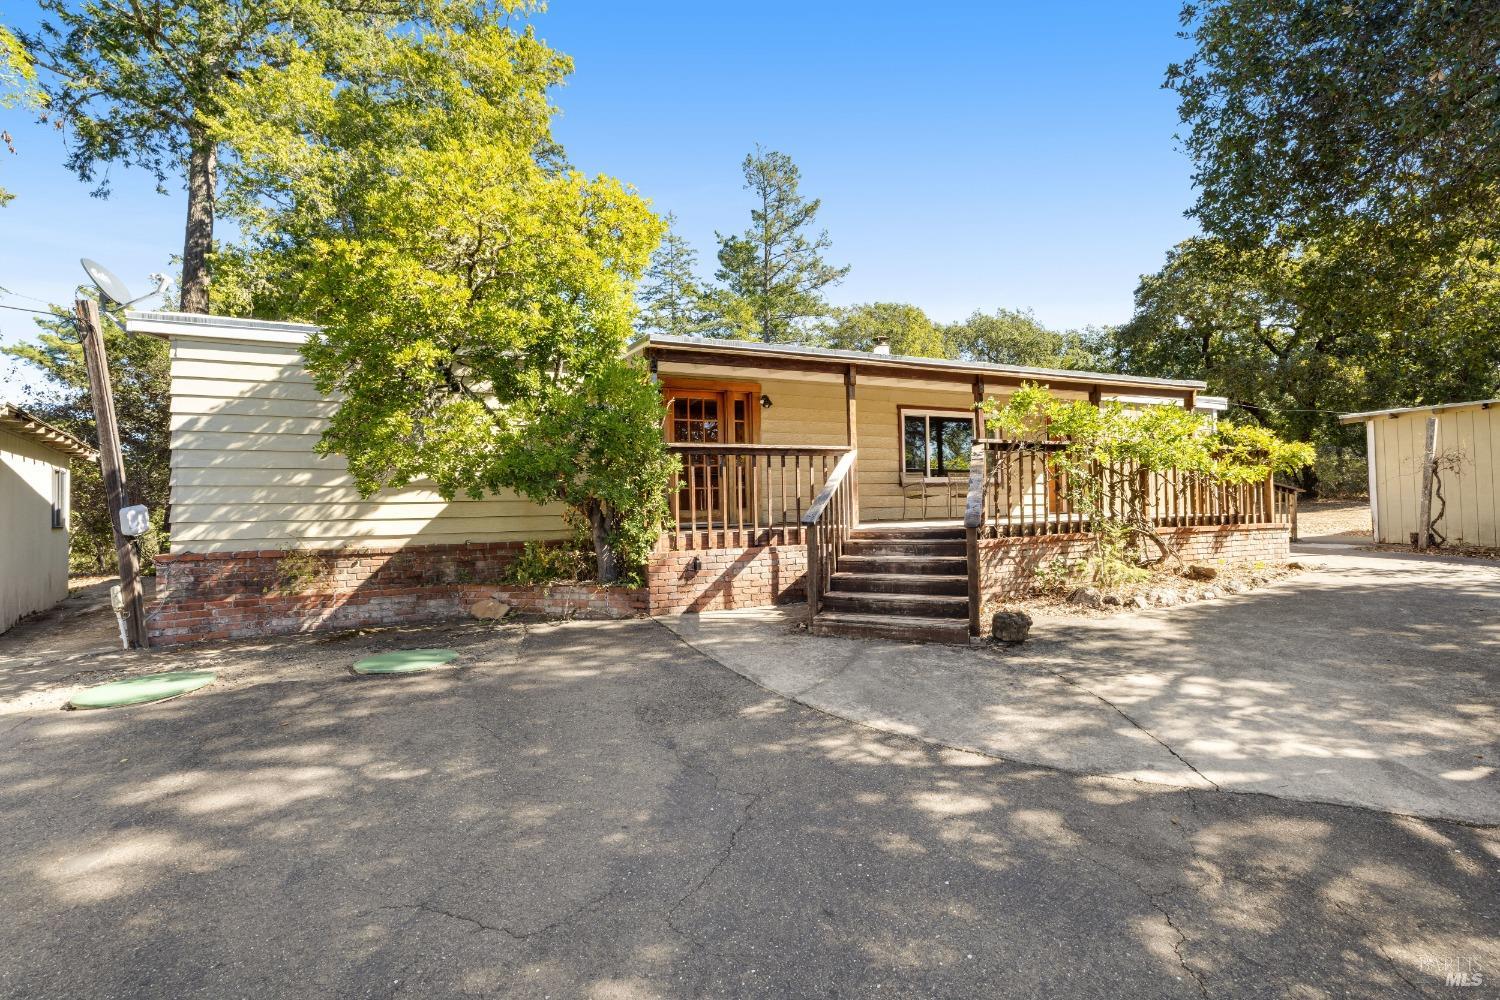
[1468,446]
[35,487]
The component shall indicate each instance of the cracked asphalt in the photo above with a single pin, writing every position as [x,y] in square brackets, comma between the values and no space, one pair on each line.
[599,810]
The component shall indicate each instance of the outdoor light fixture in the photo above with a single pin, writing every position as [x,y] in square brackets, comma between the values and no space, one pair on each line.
[765,401]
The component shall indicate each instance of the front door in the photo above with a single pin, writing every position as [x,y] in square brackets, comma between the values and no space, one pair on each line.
[709,415]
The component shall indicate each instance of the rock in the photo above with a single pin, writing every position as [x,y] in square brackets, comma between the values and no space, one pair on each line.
[1088,596]
[1210,594]
[1294,566]
[1166,598]
[1139,601]
[1113,600]
[488,608]
[1198,571]
[1010,626]
[1235,587]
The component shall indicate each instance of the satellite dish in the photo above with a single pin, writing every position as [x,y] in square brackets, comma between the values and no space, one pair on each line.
[109,285]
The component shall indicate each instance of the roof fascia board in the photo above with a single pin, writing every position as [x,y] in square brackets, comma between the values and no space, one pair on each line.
[725,353]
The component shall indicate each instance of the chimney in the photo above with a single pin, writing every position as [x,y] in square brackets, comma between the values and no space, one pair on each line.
[882,346]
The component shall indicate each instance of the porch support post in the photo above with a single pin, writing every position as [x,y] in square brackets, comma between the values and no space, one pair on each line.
[851,380]
[1096,396]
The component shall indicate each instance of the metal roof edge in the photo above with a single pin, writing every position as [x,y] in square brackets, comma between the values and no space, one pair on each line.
[177,324]
[1396,411]
[750,347]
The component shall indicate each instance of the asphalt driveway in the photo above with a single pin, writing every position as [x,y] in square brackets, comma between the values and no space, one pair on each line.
[599,810]
[1370,679]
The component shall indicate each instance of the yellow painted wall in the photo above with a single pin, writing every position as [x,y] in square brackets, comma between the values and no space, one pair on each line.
[245,421]
[1468,437]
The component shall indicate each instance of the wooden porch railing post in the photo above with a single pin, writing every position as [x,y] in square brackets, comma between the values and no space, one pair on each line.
[973,519]
[814,583]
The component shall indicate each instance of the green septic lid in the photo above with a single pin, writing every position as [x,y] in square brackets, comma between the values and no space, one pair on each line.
[404,661]
[139,690]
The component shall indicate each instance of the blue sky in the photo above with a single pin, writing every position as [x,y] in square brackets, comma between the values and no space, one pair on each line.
[969,156]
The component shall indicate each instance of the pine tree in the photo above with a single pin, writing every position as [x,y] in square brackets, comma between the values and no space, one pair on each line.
[670,298]
[773,276]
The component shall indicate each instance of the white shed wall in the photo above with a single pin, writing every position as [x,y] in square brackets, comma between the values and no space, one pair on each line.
[1472,435]
[33,554]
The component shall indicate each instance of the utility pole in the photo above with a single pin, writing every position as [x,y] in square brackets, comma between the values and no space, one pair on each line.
[111,465]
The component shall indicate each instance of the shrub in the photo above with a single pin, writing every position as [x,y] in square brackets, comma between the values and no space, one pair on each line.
[547,562]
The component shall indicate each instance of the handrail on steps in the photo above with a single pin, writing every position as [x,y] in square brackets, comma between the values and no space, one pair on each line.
[826,525]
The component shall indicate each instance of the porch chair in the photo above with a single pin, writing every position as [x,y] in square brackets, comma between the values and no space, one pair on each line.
[913,490]
[958,489]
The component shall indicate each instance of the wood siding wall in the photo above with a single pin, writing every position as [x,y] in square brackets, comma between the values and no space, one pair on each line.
[33,554]
[1473,512]
[811,410]
[245,476]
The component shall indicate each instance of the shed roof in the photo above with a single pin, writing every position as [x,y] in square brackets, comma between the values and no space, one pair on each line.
[1356,418]
[28,425]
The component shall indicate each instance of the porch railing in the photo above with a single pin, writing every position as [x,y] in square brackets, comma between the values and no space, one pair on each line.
[725,495]
[1023,495]
[827,523]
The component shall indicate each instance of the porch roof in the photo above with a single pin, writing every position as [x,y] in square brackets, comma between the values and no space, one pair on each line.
[796,357]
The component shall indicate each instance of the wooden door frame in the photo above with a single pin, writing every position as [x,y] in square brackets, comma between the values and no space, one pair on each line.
[726,392]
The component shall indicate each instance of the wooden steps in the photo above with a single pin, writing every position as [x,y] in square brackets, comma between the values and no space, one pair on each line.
[906,583]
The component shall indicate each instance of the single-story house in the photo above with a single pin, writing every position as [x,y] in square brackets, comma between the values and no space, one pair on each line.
[862,465]
[1468,453]
[35,490]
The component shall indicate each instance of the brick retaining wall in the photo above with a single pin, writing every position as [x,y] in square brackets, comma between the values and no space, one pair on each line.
[1006,565]
[235,595]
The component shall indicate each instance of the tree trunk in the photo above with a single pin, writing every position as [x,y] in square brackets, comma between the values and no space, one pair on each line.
[198,240]
[606,559]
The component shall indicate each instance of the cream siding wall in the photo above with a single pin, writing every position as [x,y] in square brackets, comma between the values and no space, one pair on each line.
[245,476]
[33,554]
[810,409]
[1473,435]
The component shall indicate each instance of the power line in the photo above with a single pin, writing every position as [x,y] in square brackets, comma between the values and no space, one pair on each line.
[23,309]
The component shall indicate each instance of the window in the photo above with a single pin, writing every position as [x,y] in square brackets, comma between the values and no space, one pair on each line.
[59,498]
[936,444]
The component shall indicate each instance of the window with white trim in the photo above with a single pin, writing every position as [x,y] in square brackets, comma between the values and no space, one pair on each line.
[59,498]
[935,443]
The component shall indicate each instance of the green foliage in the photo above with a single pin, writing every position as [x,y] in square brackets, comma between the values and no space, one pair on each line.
[670,298]
[541,563]
[905,328]
[1112,564]
[474,293]
[142,84]
[140,373]
[1015,337]
[774,274]
[298,572]
[17,87]
[1107,447]
[1348,163]
[1303,117]
[1293,338]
